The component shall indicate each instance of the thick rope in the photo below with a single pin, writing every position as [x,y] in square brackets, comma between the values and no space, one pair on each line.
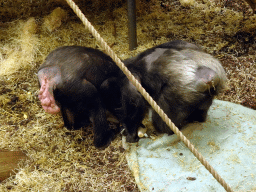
[147,96]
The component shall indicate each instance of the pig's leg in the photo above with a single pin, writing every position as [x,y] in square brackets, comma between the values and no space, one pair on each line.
[72,99]
[93,103]
[201,108]
[79,100]
[74,119]
[103,135]
[68,117]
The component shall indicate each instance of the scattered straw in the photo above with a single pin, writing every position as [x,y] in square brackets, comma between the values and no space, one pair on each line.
[63,160]
[22,51]
[55,19]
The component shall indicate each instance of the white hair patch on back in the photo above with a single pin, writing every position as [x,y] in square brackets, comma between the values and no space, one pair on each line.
[181,72]
[151,58]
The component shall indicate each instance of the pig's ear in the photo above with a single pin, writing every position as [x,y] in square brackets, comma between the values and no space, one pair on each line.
[205,79]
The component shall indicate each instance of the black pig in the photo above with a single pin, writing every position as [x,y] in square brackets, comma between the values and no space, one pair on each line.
[180,77]
[70,79]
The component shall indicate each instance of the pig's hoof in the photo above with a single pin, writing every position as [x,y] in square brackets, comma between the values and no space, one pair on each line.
[104,140]
[132,139]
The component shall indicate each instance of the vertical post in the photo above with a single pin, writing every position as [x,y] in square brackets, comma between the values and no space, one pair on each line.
[132,24]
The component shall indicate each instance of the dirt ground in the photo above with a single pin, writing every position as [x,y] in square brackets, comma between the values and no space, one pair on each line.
[66,160]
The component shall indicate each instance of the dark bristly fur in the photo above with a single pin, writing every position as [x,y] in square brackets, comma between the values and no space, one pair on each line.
[180,77]
[75,74]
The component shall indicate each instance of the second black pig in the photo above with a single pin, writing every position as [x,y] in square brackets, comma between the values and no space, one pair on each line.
[180,77]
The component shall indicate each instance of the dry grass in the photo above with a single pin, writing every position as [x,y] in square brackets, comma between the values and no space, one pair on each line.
[20,53]
[64,160]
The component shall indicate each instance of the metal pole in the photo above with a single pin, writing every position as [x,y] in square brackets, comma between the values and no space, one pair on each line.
[132,24]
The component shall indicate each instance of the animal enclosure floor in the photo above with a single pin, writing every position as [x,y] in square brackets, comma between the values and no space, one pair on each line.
[226,140]
[66,160]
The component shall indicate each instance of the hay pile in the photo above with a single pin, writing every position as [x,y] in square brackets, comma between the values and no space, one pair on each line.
[21,52]
[64,160]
